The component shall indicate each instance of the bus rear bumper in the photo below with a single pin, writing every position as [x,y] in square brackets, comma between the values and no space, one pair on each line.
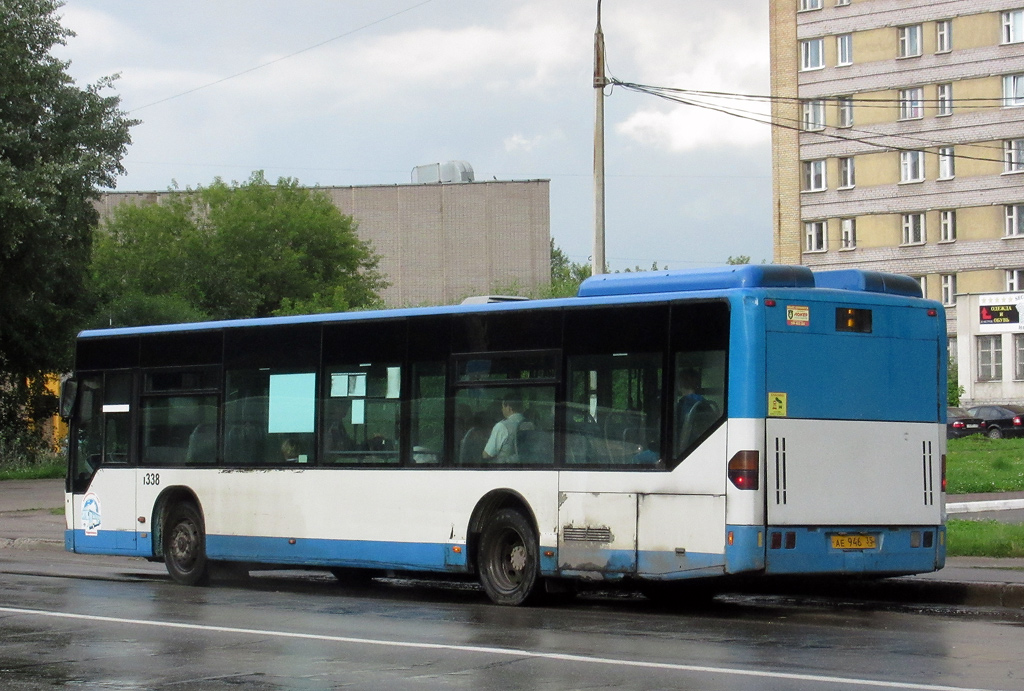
[855,549]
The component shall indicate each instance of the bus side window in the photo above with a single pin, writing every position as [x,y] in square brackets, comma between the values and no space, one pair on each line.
[427,412]
[269,417]
[362,414]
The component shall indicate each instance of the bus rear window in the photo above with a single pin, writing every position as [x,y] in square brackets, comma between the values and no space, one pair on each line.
[853,319]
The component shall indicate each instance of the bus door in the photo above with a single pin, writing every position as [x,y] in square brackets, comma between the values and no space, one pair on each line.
[103,517]
[852,434]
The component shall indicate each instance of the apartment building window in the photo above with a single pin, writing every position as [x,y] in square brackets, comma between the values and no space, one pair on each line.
[947,163]
[1013,90]
[812,54]
[1013,26]
[1014,280]
[1013,155]
[848,233]
[909,41]
[913,229]
[947,225]
[911,103]
[1018,356]
[842,2]
[944,97]
[814,176]
[990,357]
[847,175]
[844,49]
[944,36]
[845,111]
[810,5]
[922,281]
[911,166]
[1014,220]
[816,234]
[949,289]
[813,115]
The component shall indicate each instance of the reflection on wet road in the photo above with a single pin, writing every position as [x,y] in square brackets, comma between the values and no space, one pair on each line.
[119,623]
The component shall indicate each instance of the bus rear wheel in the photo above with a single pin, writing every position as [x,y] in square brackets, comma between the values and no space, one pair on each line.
[185,545]
[509,559]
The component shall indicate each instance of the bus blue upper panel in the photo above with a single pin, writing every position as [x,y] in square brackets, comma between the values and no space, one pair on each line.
[621,288]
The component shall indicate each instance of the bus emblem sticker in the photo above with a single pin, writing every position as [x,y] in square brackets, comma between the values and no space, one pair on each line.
[91,520]
[776,404]
[798,315]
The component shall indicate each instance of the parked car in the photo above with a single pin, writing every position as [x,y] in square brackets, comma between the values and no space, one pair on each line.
[1001,420]
[960,423]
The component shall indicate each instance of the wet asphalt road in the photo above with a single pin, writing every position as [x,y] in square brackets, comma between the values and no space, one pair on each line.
[74,621]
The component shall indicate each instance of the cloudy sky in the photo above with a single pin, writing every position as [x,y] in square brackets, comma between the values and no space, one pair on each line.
[354,92]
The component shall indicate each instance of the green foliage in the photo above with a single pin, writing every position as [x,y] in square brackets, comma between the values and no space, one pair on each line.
[58,142]
[16,463]
[737,260]
[566,275]
[980,464]
[953,389]
[231,251]
[984,539]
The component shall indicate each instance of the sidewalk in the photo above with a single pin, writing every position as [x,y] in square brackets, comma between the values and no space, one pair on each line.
[27,520]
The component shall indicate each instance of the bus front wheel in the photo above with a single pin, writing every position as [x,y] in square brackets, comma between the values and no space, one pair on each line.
[509,558]
[185,546]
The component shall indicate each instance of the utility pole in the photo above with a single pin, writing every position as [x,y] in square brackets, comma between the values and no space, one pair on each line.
[600,81]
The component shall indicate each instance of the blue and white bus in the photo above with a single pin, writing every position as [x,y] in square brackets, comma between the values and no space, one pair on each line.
[658,427]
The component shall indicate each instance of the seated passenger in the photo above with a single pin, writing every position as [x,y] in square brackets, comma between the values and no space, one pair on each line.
[502,444]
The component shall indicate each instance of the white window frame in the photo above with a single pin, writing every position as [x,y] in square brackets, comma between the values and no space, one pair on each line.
[816,236]
[911,103]
[806,5]
[814,176]
[947,225]
[845,107]
[1013,90]
[844,50]
[947,163]
[911,166]
[1018,356]
[847,173]
[1014,227]
[990,357]
[944,99]
[1013,26]
[944,36]
[813,116]
[812,54]
[909,39]
[948,282]
[914,229]
[1013,155]
[848,234]
[1014,280]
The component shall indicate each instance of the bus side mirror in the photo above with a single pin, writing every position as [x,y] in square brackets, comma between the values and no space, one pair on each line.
[68,395]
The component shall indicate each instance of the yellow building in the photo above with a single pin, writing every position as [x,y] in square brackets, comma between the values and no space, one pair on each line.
[899,140]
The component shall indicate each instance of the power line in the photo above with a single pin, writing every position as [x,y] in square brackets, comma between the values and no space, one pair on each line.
[283,57]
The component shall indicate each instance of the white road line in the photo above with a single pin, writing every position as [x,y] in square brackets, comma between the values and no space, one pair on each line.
[990,505]
[511,652]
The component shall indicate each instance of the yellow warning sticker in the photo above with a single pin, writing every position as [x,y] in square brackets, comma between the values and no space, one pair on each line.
[776,404]
[798,315]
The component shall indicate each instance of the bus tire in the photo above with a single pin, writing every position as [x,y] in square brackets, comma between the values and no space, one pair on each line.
[185,546]
[509,561]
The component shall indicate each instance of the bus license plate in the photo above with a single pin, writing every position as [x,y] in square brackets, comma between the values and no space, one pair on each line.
[853,542]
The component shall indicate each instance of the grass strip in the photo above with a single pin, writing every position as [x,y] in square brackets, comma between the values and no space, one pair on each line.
[984,539]
[979,464]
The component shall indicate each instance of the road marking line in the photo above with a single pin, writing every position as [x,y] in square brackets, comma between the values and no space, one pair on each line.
[987,505]
[512,652]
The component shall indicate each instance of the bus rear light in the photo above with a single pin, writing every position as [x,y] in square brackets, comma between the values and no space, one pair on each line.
[744,469]
[776,541]
[943,472]
[933,313]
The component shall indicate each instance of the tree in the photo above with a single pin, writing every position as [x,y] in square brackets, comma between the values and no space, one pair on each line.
[566,275]
[738,260]
[231,251]
[58,143]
